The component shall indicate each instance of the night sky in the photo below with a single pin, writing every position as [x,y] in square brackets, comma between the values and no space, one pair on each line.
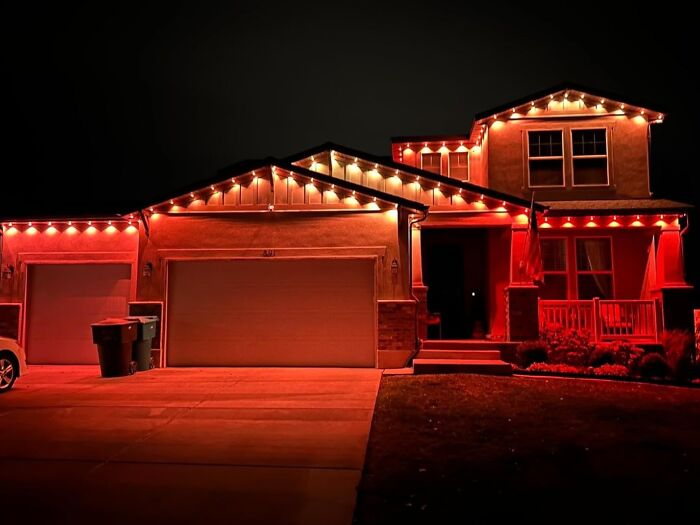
[103,101]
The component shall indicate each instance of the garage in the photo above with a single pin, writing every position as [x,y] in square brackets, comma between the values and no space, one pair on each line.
[271,312]
[63,300]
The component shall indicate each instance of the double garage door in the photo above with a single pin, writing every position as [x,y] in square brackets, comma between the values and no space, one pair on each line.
[277,312]
[293,312]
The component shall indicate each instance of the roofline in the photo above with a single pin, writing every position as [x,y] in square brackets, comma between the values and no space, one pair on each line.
[63,218]
[561,87]
[430,138]
[468,186]
[557,212]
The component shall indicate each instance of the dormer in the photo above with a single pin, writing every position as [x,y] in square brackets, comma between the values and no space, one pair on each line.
[568,143]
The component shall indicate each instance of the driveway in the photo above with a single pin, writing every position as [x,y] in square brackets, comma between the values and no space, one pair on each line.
[214,445]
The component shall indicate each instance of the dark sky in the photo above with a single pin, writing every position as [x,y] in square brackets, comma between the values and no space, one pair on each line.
[101,100]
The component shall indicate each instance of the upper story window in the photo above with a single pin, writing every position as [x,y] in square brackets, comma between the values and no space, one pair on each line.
[546,158]
[589,149]
[431,162]
[458,165]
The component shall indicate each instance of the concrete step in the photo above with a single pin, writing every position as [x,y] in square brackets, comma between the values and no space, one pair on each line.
[461,366]
[483,355]
[462,344]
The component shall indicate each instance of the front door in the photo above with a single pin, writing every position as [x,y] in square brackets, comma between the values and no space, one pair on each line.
[455,271]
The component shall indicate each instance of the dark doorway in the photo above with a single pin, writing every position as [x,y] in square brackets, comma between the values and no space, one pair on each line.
[455,271]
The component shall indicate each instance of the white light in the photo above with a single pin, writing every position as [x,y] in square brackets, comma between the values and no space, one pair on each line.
[50,223]
[212,187]
[622,106]
[109,223]
[602,101]
[473,294]
[192,195]
[172,201]
[30,224]
[89,223]
[70,223]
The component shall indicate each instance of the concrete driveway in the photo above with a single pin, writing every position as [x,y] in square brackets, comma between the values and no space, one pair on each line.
[214,445]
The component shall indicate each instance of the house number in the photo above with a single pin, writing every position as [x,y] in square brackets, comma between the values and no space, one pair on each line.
[268,253]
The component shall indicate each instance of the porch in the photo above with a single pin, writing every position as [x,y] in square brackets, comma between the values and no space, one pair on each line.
[606,320]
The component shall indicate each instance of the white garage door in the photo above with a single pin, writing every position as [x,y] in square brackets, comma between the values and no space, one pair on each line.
[290,312]
[63,299]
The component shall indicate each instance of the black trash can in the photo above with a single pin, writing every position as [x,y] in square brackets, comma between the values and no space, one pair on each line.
[145,332]
[114,338]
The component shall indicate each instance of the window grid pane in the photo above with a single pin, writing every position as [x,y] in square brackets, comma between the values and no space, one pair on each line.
[589,142]
[545,143]
[431,162]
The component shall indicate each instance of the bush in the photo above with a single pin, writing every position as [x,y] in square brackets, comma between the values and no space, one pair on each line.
[616,353]
[569,347]
[653,365]
[679,349]
[554,367]
[611,370]
[602,354]
[529,352]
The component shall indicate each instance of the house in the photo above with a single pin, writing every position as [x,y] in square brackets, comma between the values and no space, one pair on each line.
[336,257]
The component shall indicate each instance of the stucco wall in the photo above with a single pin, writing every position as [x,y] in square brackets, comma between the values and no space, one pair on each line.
[62,243]
[627,157]
[281,234]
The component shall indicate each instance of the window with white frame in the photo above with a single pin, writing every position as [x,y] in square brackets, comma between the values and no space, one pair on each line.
[589,153]
[594,268]
[458,165]
[546,158]
[555,268]
[431,162]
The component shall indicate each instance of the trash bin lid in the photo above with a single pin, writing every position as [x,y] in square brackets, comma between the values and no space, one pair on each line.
[142,318]
[114,321]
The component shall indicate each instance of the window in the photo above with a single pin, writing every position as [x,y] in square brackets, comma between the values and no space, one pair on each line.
[590,156]
[458,165]
[594,270]
[554,264]
[545,158]
[431,162]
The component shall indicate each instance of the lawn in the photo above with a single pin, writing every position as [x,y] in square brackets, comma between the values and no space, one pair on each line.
[480,449]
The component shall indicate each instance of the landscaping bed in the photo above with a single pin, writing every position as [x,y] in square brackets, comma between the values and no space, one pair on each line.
[566,352]
[480,449]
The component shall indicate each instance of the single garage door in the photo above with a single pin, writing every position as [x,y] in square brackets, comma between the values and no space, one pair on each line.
[279,312]
[63,300]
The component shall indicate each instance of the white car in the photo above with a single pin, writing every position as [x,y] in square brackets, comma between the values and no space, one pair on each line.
[12,363]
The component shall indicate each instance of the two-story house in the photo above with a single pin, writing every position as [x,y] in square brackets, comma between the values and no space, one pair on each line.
[336,257]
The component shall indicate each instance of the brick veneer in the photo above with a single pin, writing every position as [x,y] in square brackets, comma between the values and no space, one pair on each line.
[397,325]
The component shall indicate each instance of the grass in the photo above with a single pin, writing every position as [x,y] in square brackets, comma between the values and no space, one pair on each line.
[480,449]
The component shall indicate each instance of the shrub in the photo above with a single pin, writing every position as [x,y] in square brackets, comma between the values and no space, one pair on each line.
[653,365]
[678,349]
[602,354]
[611,370]
[529,352]
[554,367]
[568,347]
[616,353]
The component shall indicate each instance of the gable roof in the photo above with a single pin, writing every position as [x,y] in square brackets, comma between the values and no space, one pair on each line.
[429,175]
[578,89]
[224,176]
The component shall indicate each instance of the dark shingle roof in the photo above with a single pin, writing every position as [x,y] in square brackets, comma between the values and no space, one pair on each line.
[618,206]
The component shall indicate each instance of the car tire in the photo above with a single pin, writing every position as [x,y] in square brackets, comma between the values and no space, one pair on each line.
[9,369]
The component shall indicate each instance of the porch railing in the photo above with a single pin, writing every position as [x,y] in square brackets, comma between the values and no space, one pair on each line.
[605,320]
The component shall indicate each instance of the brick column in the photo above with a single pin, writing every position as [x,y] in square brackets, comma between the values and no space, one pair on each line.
[522,315]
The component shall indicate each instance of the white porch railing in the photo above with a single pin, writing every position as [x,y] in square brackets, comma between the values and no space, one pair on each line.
[605,320]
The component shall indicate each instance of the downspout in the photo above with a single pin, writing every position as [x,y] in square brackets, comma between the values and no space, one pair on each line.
[416,348]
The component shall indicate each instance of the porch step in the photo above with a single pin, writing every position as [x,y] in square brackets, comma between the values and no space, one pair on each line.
[481,355]
[461,366]
[463,344]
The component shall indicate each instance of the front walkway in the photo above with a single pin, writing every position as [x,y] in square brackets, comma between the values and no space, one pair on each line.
[216,445]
